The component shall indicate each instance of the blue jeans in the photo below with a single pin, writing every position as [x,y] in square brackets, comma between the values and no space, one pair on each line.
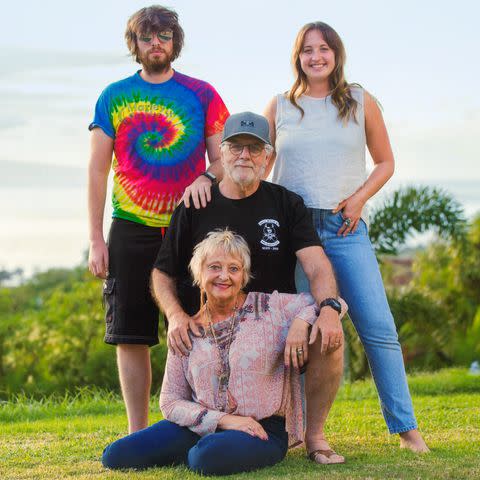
[221,453]
[360,284]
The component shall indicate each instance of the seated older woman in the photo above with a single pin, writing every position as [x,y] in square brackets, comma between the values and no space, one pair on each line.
[234,404]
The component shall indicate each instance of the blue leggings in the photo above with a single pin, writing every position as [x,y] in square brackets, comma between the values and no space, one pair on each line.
[221,453]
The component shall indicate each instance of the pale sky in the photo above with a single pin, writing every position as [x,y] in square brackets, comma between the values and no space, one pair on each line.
[419,58]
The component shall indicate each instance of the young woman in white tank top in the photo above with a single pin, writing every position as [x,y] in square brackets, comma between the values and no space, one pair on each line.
[320,129]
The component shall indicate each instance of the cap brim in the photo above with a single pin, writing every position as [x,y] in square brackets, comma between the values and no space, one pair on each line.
[247,133]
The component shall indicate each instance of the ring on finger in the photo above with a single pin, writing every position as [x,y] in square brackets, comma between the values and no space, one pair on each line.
[347,221]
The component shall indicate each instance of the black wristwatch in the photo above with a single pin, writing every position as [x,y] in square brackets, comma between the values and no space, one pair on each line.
[331,302]
[210,176]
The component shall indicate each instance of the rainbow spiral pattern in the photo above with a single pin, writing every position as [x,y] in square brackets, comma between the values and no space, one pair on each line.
[159,144]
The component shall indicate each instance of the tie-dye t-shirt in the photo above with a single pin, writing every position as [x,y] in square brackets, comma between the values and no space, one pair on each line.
[159,133]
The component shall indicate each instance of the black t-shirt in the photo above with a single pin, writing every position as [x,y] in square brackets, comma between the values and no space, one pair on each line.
[274,221]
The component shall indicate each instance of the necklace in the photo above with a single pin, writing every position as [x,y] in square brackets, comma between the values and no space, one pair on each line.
[223,373]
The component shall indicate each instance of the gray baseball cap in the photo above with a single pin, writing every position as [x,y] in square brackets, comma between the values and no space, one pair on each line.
[247,123]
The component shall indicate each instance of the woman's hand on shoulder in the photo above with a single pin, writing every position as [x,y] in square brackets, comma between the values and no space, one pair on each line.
[296,345]
[244,424]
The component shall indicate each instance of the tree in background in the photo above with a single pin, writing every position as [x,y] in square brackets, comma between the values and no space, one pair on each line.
[448,274]
[7,276]
[415,210]
[51,336]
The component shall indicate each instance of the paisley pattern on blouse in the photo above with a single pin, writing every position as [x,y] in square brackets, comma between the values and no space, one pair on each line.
[258,384]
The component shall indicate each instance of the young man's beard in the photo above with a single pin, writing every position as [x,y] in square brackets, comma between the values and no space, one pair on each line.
[155,65]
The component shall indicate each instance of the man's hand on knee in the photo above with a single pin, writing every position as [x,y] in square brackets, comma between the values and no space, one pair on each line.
[178,340]
[329,326]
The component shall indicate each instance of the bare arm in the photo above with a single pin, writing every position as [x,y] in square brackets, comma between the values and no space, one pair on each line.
[270,114]
[199,190]
[213,151]
[165,294]
[379,147]
[98,169]
[320,274]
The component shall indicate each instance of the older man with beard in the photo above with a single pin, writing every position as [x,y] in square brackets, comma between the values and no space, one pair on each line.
[278,229]
[157,125]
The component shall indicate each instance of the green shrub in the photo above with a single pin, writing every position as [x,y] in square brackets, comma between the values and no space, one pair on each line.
[56,343]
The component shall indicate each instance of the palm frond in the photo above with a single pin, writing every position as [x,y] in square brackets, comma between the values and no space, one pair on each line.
[415,209]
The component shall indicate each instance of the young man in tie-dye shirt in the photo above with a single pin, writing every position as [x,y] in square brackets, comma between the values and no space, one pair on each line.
[157,125]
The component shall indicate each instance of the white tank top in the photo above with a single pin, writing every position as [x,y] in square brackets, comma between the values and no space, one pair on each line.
[318,156]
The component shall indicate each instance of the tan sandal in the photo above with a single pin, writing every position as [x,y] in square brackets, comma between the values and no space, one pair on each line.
[326,457]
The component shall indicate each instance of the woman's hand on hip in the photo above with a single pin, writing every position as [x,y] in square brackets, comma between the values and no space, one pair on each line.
[244,424]
[296,345]
[351,209]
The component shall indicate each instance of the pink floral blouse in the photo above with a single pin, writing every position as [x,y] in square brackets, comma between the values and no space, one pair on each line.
[197,391]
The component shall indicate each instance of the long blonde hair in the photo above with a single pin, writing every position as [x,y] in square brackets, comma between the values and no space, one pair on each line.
[340,90]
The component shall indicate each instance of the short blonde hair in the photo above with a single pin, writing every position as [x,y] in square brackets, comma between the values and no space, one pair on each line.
[226,240]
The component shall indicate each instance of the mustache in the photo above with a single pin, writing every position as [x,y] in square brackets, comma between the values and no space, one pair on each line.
[244,163]
[156,50]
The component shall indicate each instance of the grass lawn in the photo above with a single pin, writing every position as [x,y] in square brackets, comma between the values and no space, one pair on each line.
[64,438]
